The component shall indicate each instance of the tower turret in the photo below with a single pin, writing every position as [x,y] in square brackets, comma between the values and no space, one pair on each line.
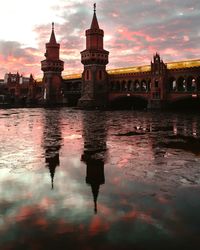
[94,77]
[158,88]
[52,67]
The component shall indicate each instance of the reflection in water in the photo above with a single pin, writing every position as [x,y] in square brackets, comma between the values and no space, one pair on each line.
[52,140]
[94,134]
[95,177]
[151,196]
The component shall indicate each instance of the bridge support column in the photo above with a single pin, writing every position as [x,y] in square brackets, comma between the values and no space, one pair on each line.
[94,77]
[156,104]
[86,103]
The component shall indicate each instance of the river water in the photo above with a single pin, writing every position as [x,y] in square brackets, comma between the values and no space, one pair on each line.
[72,179]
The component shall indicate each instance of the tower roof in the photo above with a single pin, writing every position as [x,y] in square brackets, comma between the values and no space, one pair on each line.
[52,37]
[94,24]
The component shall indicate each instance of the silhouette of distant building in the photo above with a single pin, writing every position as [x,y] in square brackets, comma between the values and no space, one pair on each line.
[20,90]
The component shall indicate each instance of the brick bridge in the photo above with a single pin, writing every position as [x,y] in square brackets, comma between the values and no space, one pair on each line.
[158,84]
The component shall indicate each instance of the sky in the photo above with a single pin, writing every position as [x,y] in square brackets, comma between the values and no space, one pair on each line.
[134,30]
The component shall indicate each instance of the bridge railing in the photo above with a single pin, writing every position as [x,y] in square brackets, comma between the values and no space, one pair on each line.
[71,92]
[130,91]
[184,90]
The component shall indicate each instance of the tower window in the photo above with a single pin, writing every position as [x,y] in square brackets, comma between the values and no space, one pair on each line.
[156,84]
[100,75]
[87,74]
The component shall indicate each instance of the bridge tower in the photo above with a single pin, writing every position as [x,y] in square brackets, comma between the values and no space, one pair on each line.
[158,86]
[52,67]
[94,77]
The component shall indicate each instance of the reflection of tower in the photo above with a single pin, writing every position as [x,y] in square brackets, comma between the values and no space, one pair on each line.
[52,67]
[52,141]
[95,177]
[94,134]
[94,77]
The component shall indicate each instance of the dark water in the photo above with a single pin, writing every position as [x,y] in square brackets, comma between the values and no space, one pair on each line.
[73,179]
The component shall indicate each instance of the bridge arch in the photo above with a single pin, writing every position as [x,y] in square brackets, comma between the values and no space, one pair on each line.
[198,83]
[191,84]
[181,84]
[172,84]
[136,85]
[129,85]
[128,102]
[76,86]
[144,85]
[117,86]
[111,85]
[148,84]
[124,85]
[188,102]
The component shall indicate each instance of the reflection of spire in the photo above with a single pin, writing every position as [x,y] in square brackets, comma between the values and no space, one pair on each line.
[94,134]
[52,142]
[52,177]
[52,163]
[95,177]
[95,192]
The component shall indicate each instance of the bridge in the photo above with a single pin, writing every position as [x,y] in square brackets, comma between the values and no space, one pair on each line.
[140,86]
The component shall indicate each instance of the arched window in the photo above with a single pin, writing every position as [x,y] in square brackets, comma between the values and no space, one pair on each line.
[100,74]
[137,85]
[87,74]
[144,85]
[172,85]
[112,85]
[149,85]
[191,83]
[118,86]
[198,83]
[123,85]
[156,83]
[194,84]
[129,85]
[181,84]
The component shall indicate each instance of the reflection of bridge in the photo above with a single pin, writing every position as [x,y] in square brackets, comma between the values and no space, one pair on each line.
[159,84]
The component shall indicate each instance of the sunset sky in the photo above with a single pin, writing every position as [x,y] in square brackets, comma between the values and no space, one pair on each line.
[134,30]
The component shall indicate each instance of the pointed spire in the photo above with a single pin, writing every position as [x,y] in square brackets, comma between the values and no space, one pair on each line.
[94,24]
[52,173]
[52,163]
[52,38]
[95,192]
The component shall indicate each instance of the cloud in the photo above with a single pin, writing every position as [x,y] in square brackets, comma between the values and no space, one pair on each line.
[133,30]
[15,58]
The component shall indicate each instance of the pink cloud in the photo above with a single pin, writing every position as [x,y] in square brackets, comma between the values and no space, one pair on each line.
[14,58]
[134,33]
[97,224]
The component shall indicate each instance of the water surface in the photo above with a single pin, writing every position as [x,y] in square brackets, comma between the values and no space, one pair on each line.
[73,179]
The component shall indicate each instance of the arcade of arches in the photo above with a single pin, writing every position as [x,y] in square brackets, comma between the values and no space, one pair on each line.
[174,84]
